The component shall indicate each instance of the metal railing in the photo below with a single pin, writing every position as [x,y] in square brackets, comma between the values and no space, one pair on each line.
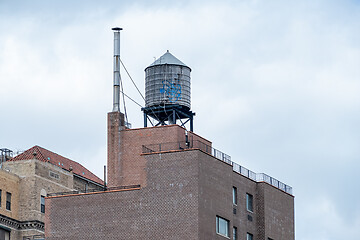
[244,171]
[182,145]
[93,190]
[257,177]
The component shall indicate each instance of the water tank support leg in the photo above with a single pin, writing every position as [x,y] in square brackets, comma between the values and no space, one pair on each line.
[145,119]
[174,117]
[191,124]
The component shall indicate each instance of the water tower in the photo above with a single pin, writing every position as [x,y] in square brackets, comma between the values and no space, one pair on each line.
[167,92]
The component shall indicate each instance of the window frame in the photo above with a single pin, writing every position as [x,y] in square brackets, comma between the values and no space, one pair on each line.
[249,202]
[8,201]
[234,196]
[218,219]
[42,204]
[249,236]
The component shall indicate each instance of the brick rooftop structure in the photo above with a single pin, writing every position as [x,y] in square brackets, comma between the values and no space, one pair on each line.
[184,191]
[169,183]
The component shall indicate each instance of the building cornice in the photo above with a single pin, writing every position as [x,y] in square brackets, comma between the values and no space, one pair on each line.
[21,225]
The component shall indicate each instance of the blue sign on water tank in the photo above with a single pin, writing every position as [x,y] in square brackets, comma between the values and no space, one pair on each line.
[171,90]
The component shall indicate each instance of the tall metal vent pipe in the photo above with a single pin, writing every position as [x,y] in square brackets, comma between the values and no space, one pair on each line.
[116,99]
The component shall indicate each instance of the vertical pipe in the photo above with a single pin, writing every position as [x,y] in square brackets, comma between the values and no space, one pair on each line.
[191,124]
[174,117]
[116,99]
[104,177]
[145,119]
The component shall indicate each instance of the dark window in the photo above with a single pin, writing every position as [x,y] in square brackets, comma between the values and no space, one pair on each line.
[235,233]
[270,239]
[8,201]
[222,226]
[4,234]
[249,202]
[54,175]
[234,194]
[42,204]
[249,236]
[0,197]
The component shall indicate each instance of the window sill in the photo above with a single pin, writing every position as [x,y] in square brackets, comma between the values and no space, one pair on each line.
[223,235]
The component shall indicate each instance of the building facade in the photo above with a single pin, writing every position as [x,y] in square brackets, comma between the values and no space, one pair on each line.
[26,180]
[178,187]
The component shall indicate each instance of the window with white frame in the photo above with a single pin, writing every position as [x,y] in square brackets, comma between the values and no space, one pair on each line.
[249,236]
[234,195]
[249,202]
[235,233]
[222,226]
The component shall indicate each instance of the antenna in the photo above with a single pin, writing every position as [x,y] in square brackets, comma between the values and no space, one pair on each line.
[117,77]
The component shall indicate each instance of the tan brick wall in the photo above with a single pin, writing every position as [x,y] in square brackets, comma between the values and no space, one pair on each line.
[9,182]
[35,177]
[27,181]
[85,185]
[27,233]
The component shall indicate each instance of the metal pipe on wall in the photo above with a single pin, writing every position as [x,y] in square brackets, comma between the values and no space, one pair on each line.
[116,99]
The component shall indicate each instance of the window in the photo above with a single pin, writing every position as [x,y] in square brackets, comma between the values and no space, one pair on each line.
[270,238]
[235,233]
[42,204]
[4,234]
[0,197]
[249,202]
[222,226]
[234,194]
[8,201]
[249,236]
[54,175]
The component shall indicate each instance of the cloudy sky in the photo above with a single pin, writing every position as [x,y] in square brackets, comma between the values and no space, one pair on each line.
[275,84]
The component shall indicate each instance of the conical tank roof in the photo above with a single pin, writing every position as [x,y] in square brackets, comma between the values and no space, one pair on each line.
[167,58]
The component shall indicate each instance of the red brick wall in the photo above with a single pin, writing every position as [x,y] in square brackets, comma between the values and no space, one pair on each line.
[126,166]
[277,213]
[115,127]
[167,208]
[185,192]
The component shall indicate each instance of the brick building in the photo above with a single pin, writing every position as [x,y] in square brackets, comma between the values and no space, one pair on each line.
[165,182]
[25,181]
[176,189]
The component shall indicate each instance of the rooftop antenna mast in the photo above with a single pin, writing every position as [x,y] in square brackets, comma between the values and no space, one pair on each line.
[117,77]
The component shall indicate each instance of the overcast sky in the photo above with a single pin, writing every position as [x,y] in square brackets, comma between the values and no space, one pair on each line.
[275,84]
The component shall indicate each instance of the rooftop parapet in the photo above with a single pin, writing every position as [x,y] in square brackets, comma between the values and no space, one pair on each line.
[87,191]
[198,145]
